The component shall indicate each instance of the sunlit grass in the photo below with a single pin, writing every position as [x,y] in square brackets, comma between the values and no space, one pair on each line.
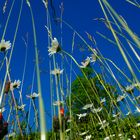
[92,98]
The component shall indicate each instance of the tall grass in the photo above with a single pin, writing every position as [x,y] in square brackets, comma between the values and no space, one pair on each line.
[94,99]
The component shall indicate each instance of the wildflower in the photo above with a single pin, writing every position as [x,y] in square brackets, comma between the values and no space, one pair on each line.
[88,137]
[85,63]
[33,96]
[137,85]
[121,97]
[116,115]
[133,136]
[84,133]
[57,71]
[93,57]
[87,106]
[69,120]
[15,84]
[81,115]
[58,103]
[4,45]
[96,110]
[109,137]
[137,125]
[103,101]
[54,47]
[130,89]
[62,111]
[2,109]
[67,130]
[21,107]
[13,134]
[103,124]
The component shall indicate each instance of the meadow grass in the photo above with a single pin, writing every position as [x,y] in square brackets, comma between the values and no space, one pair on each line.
[92,99]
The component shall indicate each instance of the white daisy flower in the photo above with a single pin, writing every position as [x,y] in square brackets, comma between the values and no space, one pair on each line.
[120,97]
[67,130]
[88,137]
[109,137]
[81,115]
[120,135]
[54,47]
[84,133]
[130,88]
[116,115]
[4,45]
[133,136]
[33,96]
[10,135]
[137,85]
[85,63]
[87,106]
[69,121]
[2,109]
[137,125]
[58,103]
[103,101]
[21,107]
[57,71]
[96,110]
[93,57]
[103,124]
[15,84]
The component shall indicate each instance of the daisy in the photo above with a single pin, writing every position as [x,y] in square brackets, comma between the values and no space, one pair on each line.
[109,137]
[88,137]
[67,130]
[87,106]
[2,109]
[33,96]
[121,97]
[85,63]
[4,45]
[103,124]
[13,134]
[21,107]
[15,84]
[81,115]
[130,88]
[58,103]
[137,125]
[84,133]
[54,47]
[133,136]
[96,110]
[93,57]
[116,115]
[103,101]
[57,71]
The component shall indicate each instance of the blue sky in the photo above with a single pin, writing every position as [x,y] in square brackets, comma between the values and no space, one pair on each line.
[80,15]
